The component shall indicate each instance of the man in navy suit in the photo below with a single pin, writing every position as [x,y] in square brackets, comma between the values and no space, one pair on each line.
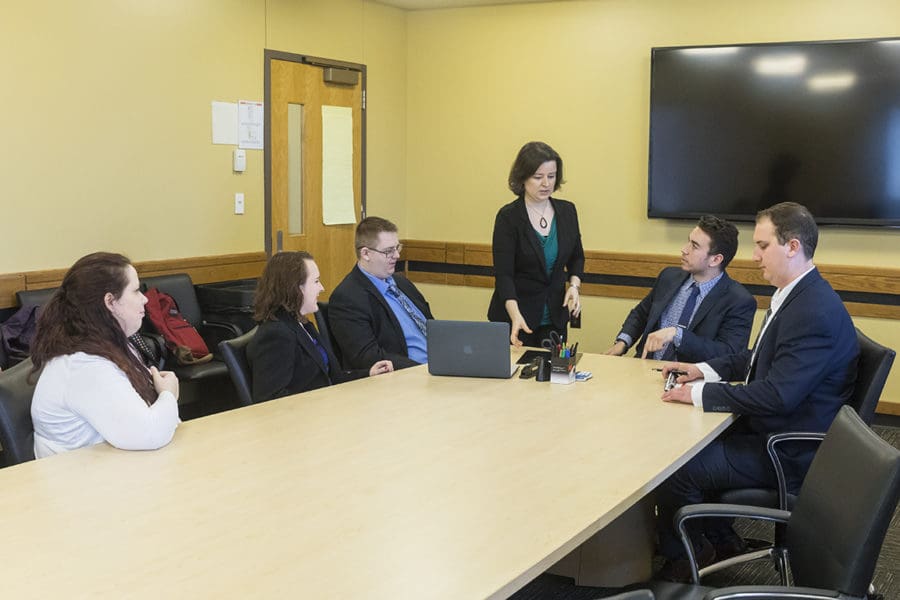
[374,313]
[798,374]
[696,312]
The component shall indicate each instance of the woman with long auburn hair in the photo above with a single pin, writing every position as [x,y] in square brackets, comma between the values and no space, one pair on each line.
[287,355]
[92,385]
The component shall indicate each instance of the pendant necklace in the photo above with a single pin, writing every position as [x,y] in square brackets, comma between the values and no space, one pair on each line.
[543,221]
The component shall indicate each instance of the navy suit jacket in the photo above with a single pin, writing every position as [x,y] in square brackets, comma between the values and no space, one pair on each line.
[804,371]
[364,325]
[520,269]
[284,361]
[721,325]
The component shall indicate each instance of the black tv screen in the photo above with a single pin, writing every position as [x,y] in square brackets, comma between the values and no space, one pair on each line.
[734,129]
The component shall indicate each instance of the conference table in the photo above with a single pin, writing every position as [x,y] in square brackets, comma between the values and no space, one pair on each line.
[403,485]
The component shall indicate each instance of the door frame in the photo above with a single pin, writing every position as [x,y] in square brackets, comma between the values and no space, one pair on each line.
[269,56]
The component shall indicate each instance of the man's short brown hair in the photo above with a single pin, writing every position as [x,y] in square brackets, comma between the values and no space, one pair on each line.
[368,230]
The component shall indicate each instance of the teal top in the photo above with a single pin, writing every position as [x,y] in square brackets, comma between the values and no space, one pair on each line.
[550,243]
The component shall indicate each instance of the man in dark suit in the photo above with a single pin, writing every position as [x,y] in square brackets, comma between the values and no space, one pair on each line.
[696,312]
[798,374]
[374,313]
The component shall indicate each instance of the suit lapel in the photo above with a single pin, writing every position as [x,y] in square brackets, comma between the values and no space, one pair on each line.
[764,341]
[305,342]
[656,310]
[710,299]
[370,288]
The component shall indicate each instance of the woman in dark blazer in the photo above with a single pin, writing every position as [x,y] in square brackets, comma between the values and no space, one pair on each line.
[537,250]
[287,355]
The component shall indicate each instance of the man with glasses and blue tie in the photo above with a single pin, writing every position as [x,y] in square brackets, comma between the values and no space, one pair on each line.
[374,313]
[695,312]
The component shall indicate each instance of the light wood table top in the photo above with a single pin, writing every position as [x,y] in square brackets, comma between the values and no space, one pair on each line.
[398,486]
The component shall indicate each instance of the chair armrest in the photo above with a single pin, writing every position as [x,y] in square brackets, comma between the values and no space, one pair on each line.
[770,592]
[693,511]
[223,326]
[214,332]
[779,438]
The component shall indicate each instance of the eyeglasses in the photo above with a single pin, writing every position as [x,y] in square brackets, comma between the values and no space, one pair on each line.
[388,252]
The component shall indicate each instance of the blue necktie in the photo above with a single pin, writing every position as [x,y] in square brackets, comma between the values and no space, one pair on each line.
[313,335]
[409,308]
[684,319]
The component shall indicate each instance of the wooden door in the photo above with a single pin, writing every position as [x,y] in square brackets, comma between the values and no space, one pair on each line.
[294,216]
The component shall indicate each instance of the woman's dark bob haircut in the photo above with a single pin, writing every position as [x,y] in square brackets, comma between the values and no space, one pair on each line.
[530,158]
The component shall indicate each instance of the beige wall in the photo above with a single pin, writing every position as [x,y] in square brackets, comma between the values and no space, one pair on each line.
[107,119]
[482,81]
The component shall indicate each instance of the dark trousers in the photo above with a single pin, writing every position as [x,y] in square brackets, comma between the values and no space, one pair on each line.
[703,479]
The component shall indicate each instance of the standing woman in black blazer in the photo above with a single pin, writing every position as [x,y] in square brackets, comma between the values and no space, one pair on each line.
[537,249]
[287,355]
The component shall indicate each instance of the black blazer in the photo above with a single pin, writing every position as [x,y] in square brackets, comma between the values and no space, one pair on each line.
[721,325]
[804,371]
[520,270]
[284,361]
[364,325]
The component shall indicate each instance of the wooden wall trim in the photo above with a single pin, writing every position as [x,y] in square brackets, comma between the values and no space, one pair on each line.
[202,269]
[867,291]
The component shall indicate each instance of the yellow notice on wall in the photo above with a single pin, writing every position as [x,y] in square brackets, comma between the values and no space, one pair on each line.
[337,165]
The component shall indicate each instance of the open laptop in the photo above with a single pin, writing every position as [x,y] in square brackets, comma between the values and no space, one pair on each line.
[469,349]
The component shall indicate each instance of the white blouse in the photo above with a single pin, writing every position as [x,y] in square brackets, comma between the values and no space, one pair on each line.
[82,399]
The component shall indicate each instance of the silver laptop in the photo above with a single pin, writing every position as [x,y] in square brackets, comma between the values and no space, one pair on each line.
[469,349]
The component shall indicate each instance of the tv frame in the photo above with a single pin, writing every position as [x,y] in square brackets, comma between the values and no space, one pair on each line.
[851,222]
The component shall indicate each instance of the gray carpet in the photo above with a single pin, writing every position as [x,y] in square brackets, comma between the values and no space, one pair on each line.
[887,572]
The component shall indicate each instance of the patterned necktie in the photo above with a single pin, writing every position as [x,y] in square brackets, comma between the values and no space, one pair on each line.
[407,306]
[146,353]
[684,319]
[755,344]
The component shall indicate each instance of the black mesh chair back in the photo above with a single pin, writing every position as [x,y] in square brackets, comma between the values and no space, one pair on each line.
[844,508]
[872,372]
[16,428]
[234,353]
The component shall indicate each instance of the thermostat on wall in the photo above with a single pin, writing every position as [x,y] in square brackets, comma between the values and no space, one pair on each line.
[240,160]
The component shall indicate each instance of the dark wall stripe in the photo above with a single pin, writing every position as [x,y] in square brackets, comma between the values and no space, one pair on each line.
[630,281]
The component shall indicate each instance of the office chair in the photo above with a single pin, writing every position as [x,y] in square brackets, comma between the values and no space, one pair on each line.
[873,368]
[16,428]
[181,288]
[35,297]
[833,536]
[234,353]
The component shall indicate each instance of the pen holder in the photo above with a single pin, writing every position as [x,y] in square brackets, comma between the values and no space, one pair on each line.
[562,370]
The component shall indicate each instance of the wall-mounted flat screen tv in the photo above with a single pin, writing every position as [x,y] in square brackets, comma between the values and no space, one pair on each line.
[734,129]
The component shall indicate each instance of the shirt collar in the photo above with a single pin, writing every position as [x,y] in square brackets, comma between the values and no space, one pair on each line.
[706,286]
[781,294]
[381,285]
